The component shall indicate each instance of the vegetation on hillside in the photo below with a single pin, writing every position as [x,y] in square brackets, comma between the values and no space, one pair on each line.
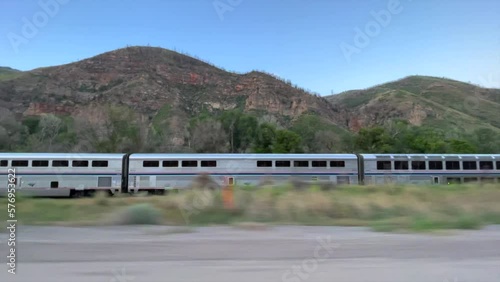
[122,130]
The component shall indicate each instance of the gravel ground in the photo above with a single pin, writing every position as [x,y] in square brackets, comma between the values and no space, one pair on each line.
[291,253]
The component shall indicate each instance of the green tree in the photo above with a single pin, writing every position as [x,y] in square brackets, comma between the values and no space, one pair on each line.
[460,147]
[287,142]
[241,129]
[486,140]
[265,138]
[373,140]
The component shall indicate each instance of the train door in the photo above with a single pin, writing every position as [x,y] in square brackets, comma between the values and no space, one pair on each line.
[229,181]
[435,180]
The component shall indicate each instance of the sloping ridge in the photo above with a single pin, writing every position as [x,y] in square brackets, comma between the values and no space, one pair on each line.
[432,101]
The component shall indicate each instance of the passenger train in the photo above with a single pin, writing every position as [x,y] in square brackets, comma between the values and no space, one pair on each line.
[63,175]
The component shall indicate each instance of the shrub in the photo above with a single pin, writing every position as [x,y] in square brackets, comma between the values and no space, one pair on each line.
[138,214]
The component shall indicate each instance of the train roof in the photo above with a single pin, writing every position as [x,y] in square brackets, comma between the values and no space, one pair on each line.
[243,156]
[430,156]
[50,156]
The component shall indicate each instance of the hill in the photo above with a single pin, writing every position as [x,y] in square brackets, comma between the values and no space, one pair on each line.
[146,79]
[421,100]
[144,99]
[160,89]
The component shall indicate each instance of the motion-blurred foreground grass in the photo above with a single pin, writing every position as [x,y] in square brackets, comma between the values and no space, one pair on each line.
[384,208]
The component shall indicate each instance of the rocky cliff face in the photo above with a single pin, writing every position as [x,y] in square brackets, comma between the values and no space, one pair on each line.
[148,79]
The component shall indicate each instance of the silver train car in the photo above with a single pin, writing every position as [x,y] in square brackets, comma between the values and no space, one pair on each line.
[177,171]
[62,175]
[429,169]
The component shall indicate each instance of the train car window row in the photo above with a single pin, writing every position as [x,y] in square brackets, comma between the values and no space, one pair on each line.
[189,163]
[437,165]
[213,163]
[55,163]
[300,164]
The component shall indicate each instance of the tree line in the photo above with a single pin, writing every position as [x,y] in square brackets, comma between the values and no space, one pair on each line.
[122,130]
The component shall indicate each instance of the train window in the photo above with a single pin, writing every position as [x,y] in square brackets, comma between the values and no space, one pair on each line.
[283,163]
[99,163]
[264,163]
[318,164]
[189,163]
[401,165]
[60,163]
[209,163]
[170,163]
[486,165]
[301,163]
[39,163]
[418,165]
[469,165]
[498,165]
[4,162]
[150,163]
[337,164]
[384,165]
[19,163]
[54,184]
[452,165]
[80,163]
[435,165]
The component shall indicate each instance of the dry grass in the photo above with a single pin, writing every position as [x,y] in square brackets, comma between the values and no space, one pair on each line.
[385,208]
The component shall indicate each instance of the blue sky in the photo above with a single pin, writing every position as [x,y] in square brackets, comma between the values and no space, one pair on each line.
[311,42]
